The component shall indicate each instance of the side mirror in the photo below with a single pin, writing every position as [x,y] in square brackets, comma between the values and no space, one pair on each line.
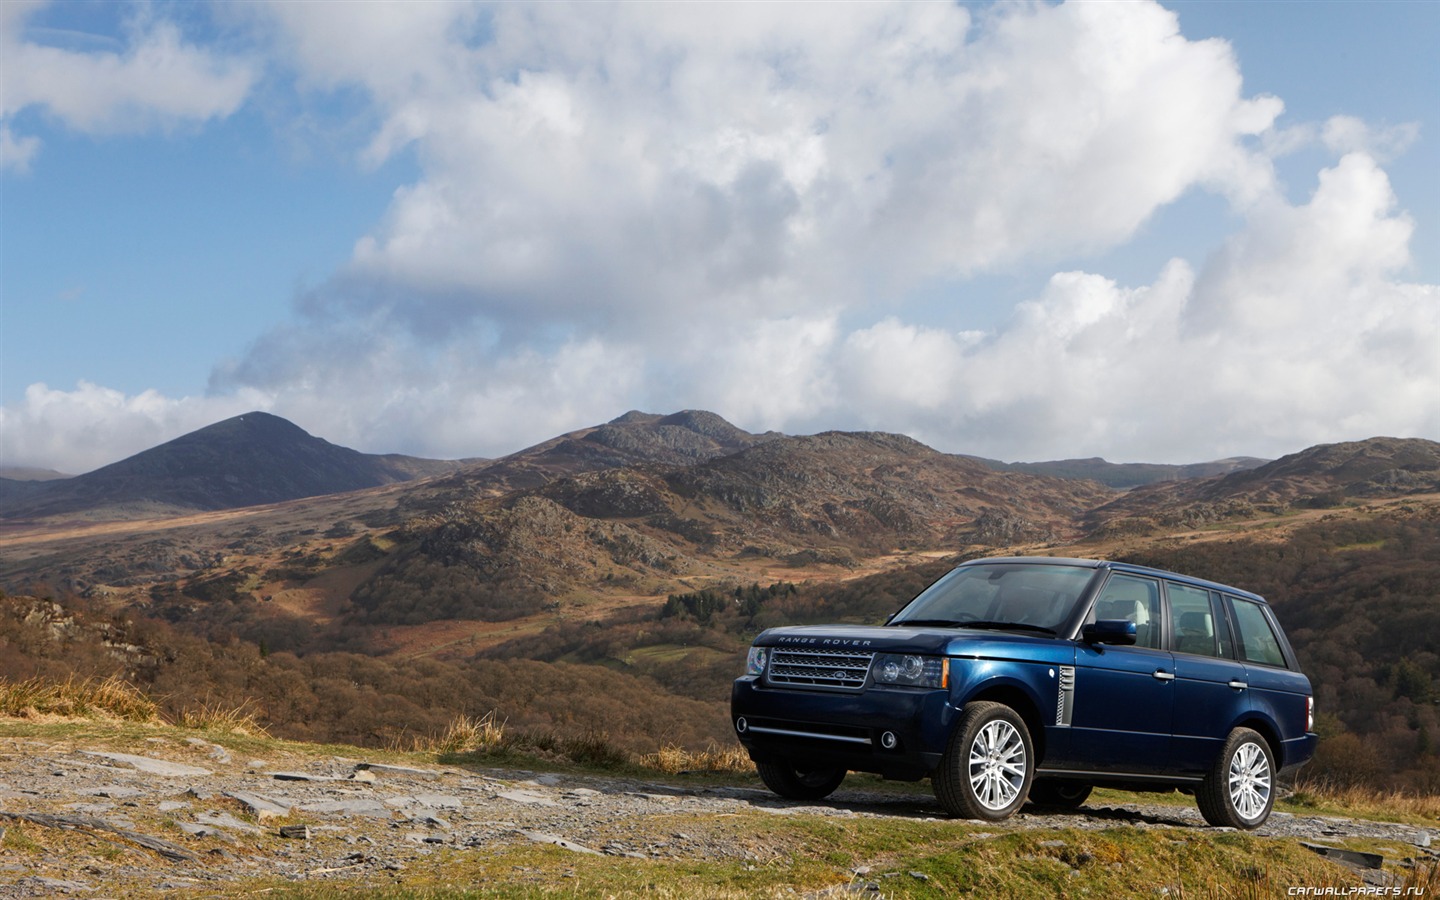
[1109,631]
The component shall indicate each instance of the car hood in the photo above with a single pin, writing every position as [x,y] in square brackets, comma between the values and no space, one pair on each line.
[892,638]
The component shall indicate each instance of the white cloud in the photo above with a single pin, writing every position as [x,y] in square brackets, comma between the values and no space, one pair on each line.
[604,162]
[666,206]
[1348,134]
[17,152]
[158,80]
[91,426]
[1295,333]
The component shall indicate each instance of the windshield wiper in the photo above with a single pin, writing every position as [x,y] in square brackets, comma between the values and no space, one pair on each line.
[1007,626]
[953,623]
[943,623]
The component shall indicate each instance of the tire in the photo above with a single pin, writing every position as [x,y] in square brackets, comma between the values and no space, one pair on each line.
[1059,794]
[800,782]
[987,767]
[1239,790]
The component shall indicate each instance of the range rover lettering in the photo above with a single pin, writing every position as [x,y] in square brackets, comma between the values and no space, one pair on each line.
[1038,678]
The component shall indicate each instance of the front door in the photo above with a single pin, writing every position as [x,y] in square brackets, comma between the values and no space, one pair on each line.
[1124,696]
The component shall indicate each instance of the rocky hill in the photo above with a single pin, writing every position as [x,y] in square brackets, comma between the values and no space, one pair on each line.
[635,438]
[1322,476]
[1128,475]
[248,460]
[832,498]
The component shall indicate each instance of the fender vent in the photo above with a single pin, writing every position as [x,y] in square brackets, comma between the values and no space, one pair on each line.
[1065,705]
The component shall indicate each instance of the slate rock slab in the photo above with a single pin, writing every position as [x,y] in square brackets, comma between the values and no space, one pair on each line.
[150,766]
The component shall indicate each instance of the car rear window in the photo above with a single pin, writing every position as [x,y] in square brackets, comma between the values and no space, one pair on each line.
[1258,643]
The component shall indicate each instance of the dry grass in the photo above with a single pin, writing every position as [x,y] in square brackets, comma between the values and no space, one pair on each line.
[465,734]
[240,719]
[1366,801]
[674,760]
[76,698]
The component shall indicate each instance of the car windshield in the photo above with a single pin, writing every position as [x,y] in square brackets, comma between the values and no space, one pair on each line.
[996,595]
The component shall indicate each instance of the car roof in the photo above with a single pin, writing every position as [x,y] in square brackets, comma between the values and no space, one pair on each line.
[1130,568]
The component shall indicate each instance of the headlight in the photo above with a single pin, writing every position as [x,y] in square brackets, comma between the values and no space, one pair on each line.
[755,661]
[911,670]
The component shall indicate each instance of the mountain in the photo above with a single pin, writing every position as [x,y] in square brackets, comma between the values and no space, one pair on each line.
[635,438]
[1323,476]
[1128,475]
[829,499]
[26,473]
[244,461]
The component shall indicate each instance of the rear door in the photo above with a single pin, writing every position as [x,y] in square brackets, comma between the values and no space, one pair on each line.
[1276,690]
[1211,689]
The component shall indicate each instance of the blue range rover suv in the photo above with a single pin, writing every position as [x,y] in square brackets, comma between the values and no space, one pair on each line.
[1038,678]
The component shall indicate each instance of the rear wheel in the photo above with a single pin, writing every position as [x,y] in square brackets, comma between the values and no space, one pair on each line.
[1239,790]
[987,767]
[1059,794]
[797,782]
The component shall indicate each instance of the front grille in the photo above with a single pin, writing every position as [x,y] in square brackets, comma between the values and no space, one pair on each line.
[845,669]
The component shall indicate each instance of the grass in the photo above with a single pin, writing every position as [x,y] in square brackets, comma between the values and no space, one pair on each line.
[86,698]
[807,855]
[213,718]
[749,853]
[1312,797]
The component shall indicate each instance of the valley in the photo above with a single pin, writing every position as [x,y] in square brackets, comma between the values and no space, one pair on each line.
[609,580]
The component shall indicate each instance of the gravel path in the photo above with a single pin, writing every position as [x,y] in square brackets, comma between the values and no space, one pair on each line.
[188,814]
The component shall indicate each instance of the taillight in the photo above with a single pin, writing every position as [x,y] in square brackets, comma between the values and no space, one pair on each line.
[1310,713]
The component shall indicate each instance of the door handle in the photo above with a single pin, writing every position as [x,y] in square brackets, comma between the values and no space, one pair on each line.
[1163,675]
[1239,685]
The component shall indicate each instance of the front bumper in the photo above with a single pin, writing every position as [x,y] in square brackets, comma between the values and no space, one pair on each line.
[896,732]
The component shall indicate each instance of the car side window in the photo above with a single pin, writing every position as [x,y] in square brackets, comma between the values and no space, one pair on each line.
[1193,620]
[1257,639]
[1135,599]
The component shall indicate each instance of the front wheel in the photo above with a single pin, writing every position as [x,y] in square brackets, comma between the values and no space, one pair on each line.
[987,767]
[800,782]
[1239,790]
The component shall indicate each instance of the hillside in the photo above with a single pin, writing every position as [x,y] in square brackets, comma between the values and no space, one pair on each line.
[248,460]
[657,574]
[830,499]
[633,439]
[1320,477]
[1123,476]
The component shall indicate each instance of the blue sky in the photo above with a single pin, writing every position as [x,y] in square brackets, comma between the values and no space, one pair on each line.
[1147,232]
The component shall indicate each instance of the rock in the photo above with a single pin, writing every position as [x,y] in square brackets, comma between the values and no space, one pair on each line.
[300,776]
[405,771]
[542,838]
[114,792]
[195,829]
[145,764]
[530,797]
[298,832]
[361,807]
[54,884]
[425,801]
[1351,858]
[225,820]
[260,807]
